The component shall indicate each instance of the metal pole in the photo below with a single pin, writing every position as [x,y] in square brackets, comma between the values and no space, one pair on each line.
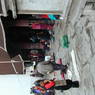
[12,61]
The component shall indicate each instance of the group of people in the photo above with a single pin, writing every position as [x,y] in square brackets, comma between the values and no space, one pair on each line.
[46,86]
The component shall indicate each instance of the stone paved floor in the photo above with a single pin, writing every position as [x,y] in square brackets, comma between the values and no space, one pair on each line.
[82,41]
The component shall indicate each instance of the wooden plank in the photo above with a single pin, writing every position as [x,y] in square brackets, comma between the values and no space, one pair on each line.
[38,12]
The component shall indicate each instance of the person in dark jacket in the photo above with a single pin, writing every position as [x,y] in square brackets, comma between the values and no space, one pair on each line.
[57,84]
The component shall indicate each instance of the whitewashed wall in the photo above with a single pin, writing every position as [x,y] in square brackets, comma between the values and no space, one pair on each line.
[16,84]
[40,5]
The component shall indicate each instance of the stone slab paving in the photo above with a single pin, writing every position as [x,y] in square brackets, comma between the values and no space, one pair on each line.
[82,41]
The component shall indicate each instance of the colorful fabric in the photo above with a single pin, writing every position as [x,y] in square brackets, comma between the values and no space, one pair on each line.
[60,82]
[50,84]
[36,91]
[44,16]
[42,26]
[52,17]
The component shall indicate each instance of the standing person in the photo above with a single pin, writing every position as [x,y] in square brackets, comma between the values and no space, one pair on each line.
[57,84]
[47,67]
